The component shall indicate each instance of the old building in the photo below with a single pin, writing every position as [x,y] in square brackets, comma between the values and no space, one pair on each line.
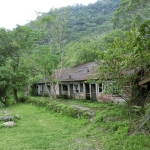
[78,82]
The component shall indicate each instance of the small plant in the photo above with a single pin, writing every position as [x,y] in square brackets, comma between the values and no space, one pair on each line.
[137,109]
[146,119]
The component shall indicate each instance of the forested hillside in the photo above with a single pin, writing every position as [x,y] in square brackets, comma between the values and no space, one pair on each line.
[81,21]
[91,20]
[131,11]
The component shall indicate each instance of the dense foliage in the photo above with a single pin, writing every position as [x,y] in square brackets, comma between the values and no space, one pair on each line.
[83,21]
[129,12]
[91,20]
[129,56]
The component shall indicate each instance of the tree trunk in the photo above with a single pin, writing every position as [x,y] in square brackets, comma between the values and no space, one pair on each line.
[15,96]
[53,85]
[49,94]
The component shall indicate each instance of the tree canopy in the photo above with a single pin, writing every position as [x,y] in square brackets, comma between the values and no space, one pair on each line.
[129,12]
[124,58]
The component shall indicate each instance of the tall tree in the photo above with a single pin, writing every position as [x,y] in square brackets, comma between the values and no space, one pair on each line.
[22,42]
[5,45]
[50,48]
[45,63]
[122,61]
[5,73]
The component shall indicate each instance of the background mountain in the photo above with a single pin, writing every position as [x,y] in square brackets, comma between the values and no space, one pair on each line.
[93,19]
[131,12]
[78,31]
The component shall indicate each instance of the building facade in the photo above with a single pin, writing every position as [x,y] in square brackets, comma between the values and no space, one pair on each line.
[78,82]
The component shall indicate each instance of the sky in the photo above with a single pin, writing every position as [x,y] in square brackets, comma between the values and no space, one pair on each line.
[13,12]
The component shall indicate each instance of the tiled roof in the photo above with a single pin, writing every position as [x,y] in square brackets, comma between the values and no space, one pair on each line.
[41,81]
[78,73]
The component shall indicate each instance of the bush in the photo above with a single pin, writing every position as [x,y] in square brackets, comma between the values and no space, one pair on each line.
[57,107]
[63,109]
[72,112]
[1,104]
[23,99]
[38,102]
[65,97]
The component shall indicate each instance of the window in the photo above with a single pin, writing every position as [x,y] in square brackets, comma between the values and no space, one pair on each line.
[81,87]
[65,88]
[100,87]
[76,88]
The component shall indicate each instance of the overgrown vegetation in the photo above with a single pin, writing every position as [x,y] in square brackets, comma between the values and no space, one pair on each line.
[49,130]
[134,114]
[60,108]
[129,55]
[127,13]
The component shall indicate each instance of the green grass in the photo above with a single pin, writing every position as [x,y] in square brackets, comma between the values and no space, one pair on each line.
[39,128]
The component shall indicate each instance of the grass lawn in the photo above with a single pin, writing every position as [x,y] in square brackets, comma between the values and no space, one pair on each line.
[41,129]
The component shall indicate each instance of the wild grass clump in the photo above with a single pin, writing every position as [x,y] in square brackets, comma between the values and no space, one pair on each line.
[38,102]
[119,130]
[64,97]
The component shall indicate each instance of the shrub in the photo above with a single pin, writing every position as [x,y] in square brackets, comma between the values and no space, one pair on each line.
[72,112]
[145,121]
[23,99]
[38,102]
[60,108]
[86,114]
[63,109]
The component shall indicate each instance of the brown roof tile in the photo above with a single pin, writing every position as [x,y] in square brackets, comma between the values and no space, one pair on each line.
[78,73]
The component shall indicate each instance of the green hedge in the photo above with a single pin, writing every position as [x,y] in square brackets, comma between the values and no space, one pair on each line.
[60,108]
[38,102]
